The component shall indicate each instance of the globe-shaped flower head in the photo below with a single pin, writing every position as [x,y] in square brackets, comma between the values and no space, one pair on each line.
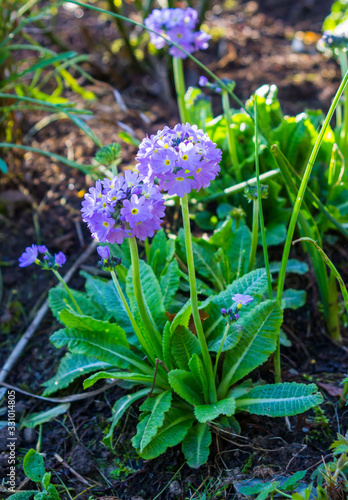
[123,207]
[176,25]
[181,158]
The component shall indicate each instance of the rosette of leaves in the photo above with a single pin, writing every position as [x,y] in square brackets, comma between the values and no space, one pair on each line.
[175,405]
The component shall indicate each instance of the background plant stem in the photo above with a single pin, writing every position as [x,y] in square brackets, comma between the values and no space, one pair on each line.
[180,89]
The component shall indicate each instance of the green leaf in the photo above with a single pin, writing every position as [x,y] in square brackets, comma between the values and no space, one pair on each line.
[118,411]
[198,371]
[34,466]
[166,340]
[36,419]
[238,251]
[94,326]
[258,341]
[227,406]
[114,305]
[183,345]
[59,300]
[186,386]
[82,125]
[195,445]
[136,377]
[182,318]
[293,266]
[174,429]
[46,480]
[293,480]
[280,400]
[205,263]
[22,495]
[158,252]
[71,367]
[152,295]
[275,234]
[169,283]
[3,166]
[222,234]
[102,346]
[149,425]
[293,299]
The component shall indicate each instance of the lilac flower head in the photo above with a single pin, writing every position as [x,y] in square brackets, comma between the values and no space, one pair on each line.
[123,207]
[176,25]
[182,158]
[104,252]
[59,259]
[242,300]
[29,256]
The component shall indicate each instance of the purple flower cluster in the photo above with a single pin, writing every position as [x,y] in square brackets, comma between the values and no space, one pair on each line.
[123,207]
[204,82]
[176,25]
[181,158]
[31,256]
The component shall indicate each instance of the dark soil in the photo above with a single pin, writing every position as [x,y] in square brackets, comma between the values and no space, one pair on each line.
[40,201]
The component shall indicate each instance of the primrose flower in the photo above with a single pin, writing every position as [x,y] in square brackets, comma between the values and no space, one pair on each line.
[104,252]
[242,300]
[181,159]
[176,25]
[123,207]
[29,256]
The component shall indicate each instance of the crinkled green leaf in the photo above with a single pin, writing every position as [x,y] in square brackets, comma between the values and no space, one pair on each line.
[35,419]
[258,341]
[169,283]
[293,299]
[183,345]
[206,412]
[186,386]
[136,377]
[195,445]
[147,428]
[70,368]
[280,400]
[174,429]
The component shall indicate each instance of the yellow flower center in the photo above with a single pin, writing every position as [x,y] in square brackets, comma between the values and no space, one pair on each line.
[179,178]
[106,224]
[167,162]
[114,198]
[104,205]
[184,157]
[198,170]
[166,146]
[135,211]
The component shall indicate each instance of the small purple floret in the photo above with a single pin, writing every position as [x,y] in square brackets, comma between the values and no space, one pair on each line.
[59,259]
[29,256]
[176,25]
[223,311]
[203,80]
[242,299]
[104,252]
[42,249]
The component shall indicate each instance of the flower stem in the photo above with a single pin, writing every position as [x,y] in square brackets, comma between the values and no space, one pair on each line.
[232,146]
[179,81]
[254,235]
[154,337]
[344,130]
[303,186]
[137,331]
[77,307]
[220,348]
[194,301]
